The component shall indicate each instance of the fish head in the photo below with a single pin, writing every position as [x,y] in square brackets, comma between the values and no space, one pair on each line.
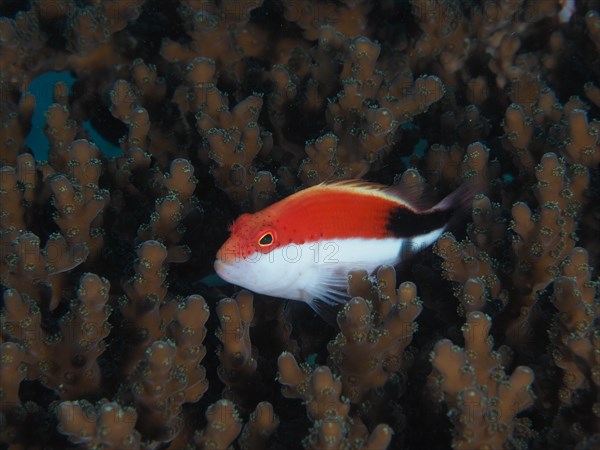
[251,234]
[245,259]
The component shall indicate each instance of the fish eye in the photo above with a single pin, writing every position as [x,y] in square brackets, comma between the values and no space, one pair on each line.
[266,239]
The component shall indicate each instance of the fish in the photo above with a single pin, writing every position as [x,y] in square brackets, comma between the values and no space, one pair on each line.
[303,246]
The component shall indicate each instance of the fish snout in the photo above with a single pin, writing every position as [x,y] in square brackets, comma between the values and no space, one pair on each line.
[224,256]
[224,271]
[234,251]
[219,266]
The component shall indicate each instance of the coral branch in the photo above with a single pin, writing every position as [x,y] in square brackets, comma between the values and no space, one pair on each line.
[482,400]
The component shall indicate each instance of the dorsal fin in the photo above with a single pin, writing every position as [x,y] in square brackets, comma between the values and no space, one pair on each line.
[412,188]
[393,193]
[356,183]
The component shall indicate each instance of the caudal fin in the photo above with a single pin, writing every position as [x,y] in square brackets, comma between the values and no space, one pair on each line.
[457,204]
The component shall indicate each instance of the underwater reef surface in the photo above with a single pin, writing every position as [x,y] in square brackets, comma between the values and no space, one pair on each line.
[175,117]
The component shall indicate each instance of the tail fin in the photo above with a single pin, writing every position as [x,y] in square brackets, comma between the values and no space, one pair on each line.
[459,203]
[460,199]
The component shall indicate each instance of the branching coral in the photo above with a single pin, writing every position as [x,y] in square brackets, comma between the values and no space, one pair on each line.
[261,425]
[575,339]
[170,210]
[233,138]
[542,241]
[481,398]
[375,330]
[223,427]
[104,425]
[219,32]
[238,365]
[77,197]
[472,268]
[176,117]
[574,332]
[170,373]
[366,114]
[68,360]
[321,391]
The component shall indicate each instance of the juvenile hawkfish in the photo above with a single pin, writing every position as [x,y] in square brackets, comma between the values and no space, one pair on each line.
[302,247]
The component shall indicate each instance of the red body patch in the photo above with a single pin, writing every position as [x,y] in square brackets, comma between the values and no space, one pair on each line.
[332,214]
[316,214]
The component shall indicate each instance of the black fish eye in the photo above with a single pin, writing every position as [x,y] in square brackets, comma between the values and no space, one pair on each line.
[266,239]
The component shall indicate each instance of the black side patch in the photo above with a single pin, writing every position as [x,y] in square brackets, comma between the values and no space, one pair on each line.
[405,223]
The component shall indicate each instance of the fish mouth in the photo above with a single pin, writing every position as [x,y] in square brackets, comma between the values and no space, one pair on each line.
[221,267]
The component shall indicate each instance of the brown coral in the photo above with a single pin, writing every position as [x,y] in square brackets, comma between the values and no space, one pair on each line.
[374,332]
[176,117]
[481,398]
